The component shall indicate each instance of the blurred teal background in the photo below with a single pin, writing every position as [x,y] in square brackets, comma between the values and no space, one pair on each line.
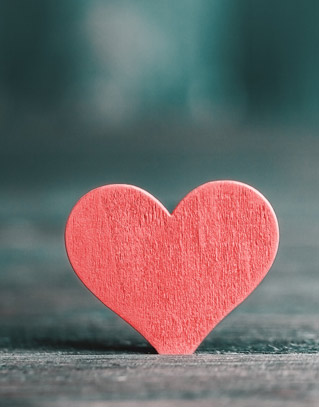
[165,95]
[79,71]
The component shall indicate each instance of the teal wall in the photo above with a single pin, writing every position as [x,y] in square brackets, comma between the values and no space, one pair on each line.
[119,62]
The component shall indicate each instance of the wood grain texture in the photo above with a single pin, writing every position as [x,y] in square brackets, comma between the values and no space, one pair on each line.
[204,380]
[172,277]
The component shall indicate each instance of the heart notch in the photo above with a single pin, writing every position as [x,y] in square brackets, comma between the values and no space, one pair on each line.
[172,277]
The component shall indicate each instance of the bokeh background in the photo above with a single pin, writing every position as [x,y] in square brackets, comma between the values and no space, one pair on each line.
[166,95]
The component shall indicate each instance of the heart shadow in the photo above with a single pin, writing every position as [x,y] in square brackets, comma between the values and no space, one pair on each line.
[94,345]
[71,338]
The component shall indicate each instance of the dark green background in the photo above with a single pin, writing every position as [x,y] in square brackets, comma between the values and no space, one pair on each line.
[75,70]
[93,92]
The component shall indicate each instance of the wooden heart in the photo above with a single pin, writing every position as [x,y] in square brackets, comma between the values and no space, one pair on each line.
[173,277]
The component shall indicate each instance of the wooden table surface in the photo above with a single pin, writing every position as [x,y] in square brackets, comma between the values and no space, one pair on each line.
[61,347]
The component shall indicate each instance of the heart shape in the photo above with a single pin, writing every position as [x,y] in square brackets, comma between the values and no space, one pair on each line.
[173,277]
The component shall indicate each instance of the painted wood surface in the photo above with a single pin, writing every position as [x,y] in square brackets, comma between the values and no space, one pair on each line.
[173,277]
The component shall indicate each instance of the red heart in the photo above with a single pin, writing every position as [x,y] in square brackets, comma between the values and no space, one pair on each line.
[173,277]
